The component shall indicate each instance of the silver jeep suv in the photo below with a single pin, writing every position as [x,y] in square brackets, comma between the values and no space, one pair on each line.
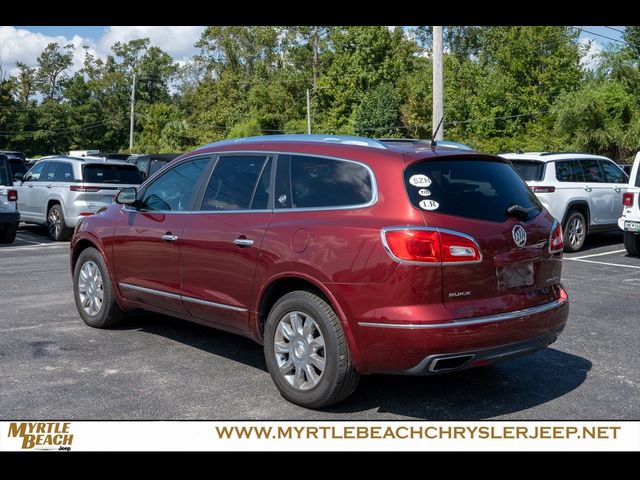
[59,191]
[582,191]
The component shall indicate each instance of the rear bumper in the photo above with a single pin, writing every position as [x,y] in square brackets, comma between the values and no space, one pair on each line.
[412,348]
[9,217]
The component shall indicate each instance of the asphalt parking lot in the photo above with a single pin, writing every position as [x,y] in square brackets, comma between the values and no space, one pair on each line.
[52,366]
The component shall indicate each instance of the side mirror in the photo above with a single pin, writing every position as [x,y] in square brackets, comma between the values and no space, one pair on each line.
[19,177]
[127,196]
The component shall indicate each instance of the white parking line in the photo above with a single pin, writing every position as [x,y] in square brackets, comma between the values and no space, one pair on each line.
[29,241]
[603,263]
[597,254]
[34,247]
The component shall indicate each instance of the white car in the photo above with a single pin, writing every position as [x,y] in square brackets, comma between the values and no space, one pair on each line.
[630,219]
[582,191]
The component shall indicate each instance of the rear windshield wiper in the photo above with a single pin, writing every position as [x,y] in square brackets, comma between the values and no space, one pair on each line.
[519,211]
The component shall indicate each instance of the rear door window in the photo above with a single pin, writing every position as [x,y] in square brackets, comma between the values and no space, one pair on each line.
[477,189]
[569,171]
[63,173]
[106,173]
[529,170]
[234,184]
[592,171]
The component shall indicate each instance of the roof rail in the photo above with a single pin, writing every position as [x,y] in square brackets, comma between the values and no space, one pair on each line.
[573,153]
[420,141]
[340,139]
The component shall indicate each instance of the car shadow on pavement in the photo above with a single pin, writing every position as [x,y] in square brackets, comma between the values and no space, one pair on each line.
[603,239]
[480,393]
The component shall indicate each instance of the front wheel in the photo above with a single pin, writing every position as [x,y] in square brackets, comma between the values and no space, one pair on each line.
[575,232]
[306,351]
[93,291]
[632,243]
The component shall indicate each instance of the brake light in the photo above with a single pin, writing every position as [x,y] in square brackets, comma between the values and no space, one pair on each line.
[12,195]
[430,246]
[627,199]
[82,188]
[556,240]
[539,189]
[85,214]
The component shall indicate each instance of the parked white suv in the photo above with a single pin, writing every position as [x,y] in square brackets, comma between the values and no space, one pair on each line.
[630,219]
[59,191]
[583,192]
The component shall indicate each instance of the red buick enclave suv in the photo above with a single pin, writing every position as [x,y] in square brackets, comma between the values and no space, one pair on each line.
[341,255]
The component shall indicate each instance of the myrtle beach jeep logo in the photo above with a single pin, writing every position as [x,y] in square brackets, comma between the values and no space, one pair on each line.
[42,435]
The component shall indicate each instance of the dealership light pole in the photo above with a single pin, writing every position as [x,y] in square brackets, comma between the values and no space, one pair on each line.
[438,97]
[308,112]
[133,100]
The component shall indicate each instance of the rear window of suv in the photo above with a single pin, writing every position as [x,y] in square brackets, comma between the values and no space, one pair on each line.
[124,174]
[478,189]
[529,170]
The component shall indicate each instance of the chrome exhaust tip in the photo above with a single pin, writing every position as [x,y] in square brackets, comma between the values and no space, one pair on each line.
[450,362]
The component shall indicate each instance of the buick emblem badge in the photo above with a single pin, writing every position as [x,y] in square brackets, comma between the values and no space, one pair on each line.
[519,235]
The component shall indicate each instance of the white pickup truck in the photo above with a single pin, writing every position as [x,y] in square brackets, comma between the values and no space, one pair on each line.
[9,216]
[630,219]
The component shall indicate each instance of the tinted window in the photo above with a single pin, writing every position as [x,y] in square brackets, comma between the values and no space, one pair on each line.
[4,175]
[569,171]
[174,189]
[613,173]
[592,171]
[261,195]
[33,174]
[234,182]
[63,173]
[529,170]
[143,165]
[105,173]
[479,189]
[16,166]
[325,182]
[48,172]
[155,166]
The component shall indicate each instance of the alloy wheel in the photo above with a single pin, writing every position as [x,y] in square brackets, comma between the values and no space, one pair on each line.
[90,288]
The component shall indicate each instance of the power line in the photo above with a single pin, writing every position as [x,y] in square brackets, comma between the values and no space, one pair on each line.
[580,29]
[615,29]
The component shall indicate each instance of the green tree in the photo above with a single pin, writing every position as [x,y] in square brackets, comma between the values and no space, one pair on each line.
[52,65]
[379,112]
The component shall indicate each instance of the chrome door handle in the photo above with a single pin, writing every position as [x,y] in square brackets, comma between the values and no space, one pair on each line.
[168,237]
[243,242]
[587,189]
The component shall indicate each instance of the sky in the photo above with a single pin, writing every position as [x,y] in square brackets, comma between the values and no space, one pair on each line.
[25,43]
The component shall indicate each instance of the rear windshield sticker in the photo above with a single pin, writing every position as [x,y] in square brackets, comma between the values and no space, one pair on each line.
[420,180]
[424,192]
[429,204]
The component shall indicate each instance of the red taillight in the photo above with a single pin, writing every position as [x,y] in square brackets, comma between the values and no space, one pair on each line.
[85,214]
[430,246]
[12,195]
[82,188]
[556,240]
[539,189]
[627,199]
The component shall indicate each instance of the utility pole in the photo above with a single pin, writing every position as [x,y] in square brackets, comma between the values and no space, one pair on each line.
[438,97]
[308,112]
[133,100]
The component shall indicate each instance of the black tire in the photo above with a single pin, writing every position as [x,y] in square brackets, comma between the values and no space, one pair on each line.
[8,232]
[56,228]
[339,378]
[109,313]
[576,219]
[632,243]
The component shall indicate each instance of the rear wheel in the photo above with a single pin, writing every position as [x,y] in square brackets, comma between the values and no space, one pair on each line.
[8,232]
[575,232]
[632,243]
[93,291]
[57,229]
[306,351]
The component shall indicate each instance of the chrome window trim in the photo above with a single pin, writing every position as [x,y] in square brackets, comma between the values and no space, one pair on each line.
[372,176]
[428,229]
[501,317]
[181,297]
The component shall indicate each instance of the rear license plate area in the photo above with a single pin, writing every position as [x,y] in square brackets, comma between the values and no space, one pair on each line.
[632,226]
[515,276]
